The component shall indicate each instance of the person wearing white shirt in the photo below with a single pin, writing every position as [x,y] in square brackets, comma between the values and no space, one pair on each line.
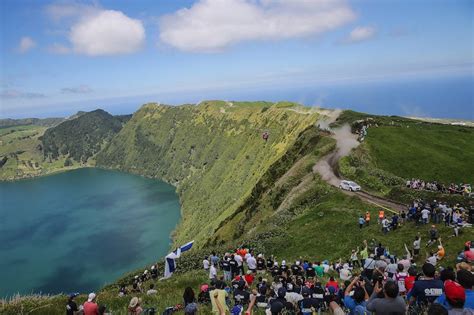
[212,272]
[252,263]
[205,264]
[239,261]
[425,213]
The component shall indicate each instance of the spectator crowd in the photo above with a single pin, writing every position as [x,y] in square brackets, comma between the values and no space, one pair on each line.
[460,189]
[372,279]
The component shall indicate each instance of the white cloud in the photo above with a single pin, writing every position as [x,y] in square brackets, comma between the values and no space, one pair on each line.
[26,44]
[81,89]
[107,33]
[94,31]
[212,25]
[361,33]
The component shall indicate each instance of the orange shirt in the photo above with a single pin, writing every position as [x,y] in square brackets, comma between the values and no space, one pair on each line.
[441,252]
[381,214]
[367,216]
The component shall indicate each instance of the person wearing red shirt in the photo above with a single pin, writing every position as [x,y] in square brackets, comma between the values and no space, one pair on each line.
[91,307]
[332,283]
[468,254]
[249,278]
[410,280]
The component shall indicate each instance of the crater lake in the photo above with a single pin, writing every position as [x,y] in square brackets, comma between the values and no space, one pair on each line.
[78,230]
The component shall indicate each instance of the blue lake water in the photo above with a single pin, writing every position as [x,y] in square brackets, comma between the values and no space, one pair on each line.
[78,230]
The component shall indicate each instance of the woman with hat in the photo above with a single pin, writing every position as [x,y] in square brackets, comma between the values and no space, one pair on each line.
[134,307]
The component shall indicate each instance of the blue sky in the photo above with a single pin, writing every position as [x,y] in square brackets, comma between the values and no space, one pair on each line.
[62,56]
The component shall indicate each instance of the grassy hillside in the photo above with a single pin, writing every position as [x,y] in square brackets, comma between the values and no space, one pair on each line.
[21,154]
[397,149]
[81,138]
[236,189]
[44,122]
[214,153]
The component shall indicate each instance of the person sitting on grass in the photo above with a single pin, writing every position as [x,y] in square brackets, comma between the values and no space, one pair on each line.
[152,290]
[134,307]
[203,297]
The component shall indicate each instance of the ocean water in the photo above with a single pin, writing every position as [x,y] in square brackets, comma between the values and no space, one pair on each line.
[437,97]
[78,230]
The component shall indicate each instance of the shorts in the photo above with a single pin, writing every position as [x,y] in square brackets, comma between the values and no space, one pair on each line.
[416,251]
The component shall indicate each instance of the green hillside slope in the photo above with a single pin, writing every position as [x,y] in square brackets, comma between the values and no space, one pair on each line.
[214,153]
[44,122]
[397,149]
[81,138]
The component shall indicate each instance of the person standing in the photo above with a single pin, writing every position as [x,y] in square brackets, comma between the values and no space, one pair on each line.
[240,264]
[234,267]
[427,289]
[226,268]
[361,222]
[71,306]
[416,246]
[206,264]
[385,225]
[252,263]
[381,215]
[367,218]
[213,272]
[90,306]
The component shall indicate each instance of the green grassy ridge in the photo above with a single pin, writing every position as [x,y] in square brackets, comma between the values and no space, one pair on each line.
[22,147]
[214,154]
[81,138]
[44,122]
[397,149]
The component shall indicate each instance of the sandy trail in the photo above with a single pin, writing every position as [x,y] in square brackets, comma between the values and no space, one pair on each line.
[345,142]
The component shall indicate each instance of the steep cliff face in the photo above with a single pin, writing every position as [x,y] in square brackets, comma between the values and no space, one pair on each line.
[214,153]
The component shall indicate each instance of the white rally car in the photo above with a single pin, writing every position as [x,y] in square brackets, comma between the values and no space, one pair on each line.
[349,185]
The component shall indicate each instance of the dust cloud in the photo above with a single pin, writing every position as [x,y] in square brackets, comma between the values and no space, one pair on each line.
[345,142]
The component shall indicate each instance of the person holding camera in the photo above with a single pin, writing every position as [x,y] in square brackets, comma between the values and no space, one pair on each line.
[390,304]
[355,297]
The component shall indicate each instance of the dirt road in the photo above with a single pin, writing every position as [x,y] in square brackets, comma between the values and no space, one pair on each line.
[326,167]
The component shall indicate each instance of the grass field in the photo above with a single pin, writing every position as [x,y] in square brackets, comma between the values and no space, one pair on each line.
[22,146]
[397,149]
[427,151]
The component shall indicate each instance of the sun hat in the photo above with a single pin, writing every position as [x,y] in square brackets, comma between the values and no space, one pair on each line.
[91,297]
[259,256]
[134,302]
[454,291]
